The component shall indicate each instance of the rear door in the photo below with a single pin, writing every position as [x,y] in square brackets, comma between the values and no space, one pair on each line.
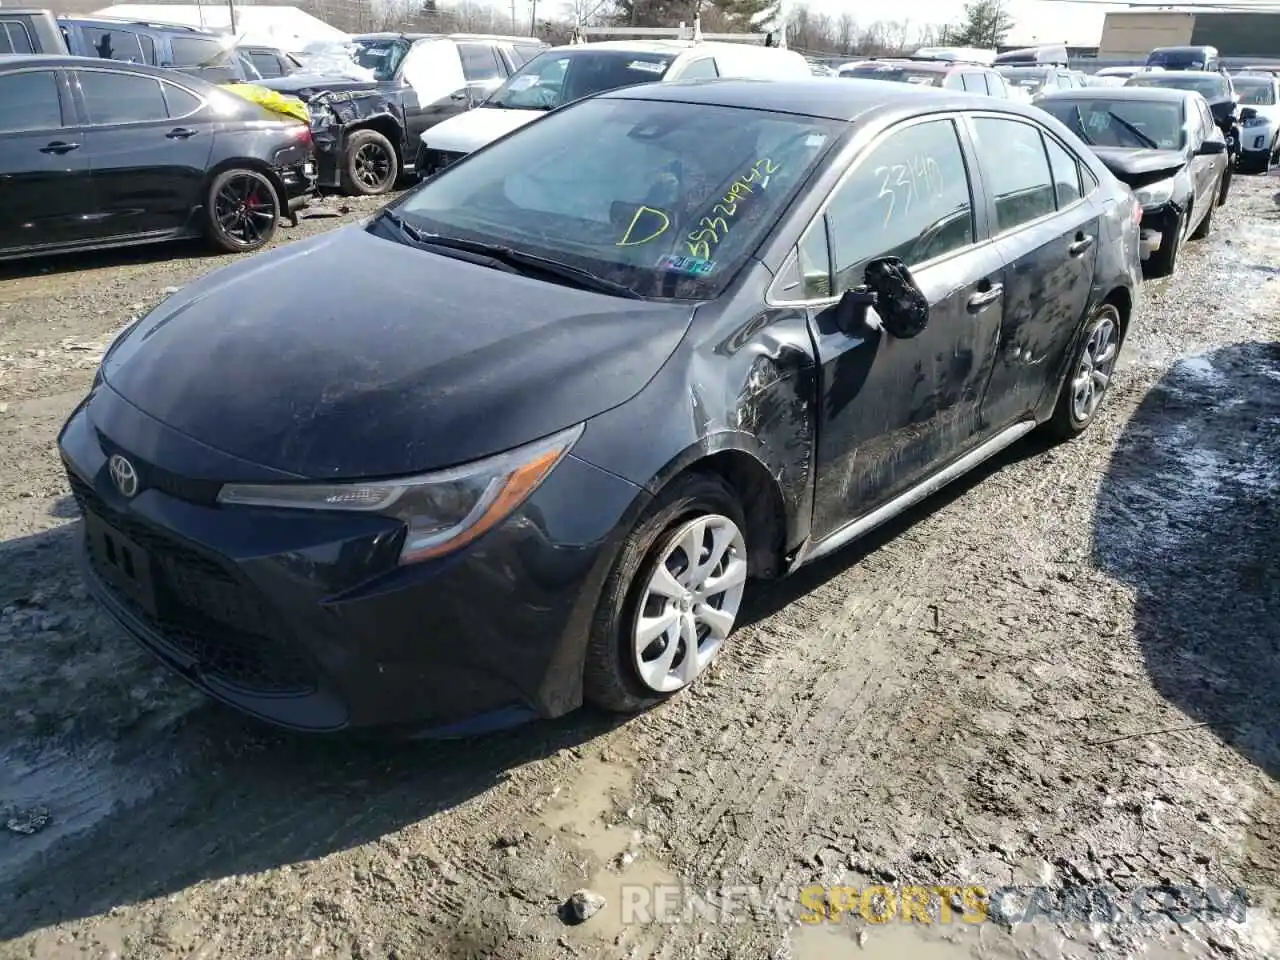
[1046,228]
[46,196]
[149,143]
[893,410]
[1206,170]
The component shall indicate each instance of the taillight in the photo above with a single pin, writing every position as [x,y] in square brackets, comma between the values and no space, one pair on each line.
[302,133]
[1137,212]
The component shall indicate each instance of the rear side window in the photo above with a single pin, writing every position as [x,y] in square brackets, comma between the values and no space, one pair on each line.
[121,97]
[909,198]
[1066,172]
[266,64]
[15,38]
[1016,169]
[180,102]
[29,101]
[479,62]
[953,81]
[974,83]
[996,85]
[114,44]
[148,49]
[197,52]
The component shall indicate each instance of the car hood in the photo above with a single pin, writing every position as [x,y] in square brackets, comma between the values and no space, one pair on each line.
[348,355]
[1126,164]
[476,128]
[301,84]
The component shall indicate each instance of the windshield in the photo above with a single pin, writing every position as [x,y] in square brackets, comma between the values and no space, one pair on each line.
[552,79]
[1136,124]
[1255,92]
[1210,87]
[667,199]
[1027,78]
[897,72]
[383,57]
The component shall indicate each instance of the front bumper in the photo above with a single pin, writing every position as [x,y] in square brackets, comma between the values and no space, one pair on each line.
[304,619]
[1158,224]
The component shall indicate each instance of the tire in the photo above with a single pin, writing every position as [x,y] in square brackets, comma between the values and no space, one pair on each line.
[1226,185]
[242,210]
[1162,262]
[612,675]
[369,166]
[1101,339]
[1205,226]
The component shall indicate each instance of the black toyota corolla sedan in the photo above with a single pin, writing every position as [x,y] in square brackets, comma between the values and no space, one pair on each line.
[1164,144]
[525,438]
[101,153]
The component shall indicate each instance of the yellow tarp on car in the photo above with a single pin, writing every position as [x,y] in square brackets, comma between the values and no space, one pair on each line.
[273,101]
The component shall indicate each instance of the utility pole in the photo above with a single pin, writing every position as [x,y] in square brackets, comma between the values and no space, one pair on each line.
[231,9]
[513,16]
[533,19]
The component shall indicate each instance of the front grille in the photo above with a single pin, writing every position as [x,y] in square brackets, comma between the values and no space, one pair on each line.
[204,611]
[184,488]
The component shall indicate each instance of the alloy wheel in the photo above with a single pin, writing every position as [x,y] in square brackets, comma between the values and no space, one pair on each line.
[372,165]
[690,602]
[245,210]
[1097,361]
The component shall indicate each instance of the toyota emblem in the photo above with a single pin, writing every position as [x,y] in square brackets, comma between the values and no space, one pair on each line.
[123,475]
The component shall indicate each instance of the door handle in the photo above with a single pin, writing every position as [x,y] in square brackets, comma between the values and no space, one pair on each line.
[181,133]
[1083,243]
[59,146]
[984,298]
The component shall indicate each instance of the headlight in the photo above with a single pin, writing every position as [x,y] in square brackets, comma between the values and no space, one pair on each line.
[442,511]
[1155,194]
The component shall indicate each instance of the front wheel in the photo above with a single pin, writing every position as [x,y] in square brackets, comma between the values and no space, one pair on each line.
[370,165]
[1205,226]
[243,210]
[1226,183]
[672,599]
[1090,375]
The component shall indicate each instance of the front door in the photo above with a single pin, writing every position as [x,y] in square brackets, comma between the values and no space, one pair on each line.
[45,192]
[893,411]
[149,143]
[1047,231]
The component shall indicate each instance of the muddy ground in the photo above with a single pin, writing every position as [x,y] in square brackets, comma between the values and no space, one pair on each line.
[1064,670]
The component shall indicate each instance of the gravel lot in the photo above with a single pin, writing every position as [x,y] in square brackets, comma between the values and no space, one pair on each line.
[1064,670]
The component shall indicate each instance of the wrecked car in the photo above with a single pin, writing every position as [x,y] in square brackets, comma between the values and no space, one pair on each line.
[1163,143]
[1218,91]
[662,341]
[367,130]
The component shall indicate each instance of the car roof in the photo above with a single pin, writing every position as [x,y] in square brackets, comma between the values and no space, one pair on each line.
[1121,93]
[120,66]
[134,24]
[831,98]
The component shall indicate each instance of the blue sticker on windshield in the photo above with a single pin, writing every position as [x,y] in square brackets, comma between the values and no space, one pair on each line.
[694,266]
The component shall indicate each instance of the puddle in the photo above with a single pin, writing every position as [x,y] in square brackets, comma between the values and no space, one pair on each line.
[590,813]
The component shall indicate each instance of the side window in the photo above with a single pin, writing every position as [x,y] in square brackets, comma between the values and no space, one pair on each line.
[180,102]
[814,258]
[266,64]
[525,52]
[909,198]
[478,62]
[996,85]
[196,52]
[29,101]
[700,69]
[1016,170]
[114,44]
[1066,172]
[974,83]
[148,49]
[121,97]
[953,81]
[15,38]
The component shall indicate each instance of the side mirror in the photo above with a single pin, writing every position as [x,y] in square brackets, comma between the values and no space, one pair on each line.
[900,303]
[1247,113]
[463,94]
[1210,148]
[854,312]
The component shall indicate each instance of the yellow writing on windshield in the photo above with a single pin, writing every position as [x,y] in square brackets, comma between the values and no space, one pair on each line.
[711,230]
[655,222]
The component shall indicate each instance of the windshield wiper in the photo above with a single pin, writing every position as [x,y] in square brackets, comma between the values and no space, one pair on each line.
[516,260]
[1142,137]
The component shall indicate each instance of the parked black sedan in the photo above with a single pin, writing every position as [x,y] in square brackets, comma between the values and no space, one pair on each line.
[1163,143]
[521,439]
[1218,91]
[98,153]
